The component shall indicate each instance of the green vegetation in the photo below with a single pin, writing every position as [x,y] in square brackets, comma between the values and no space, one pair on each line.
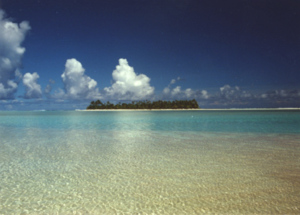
[181,104]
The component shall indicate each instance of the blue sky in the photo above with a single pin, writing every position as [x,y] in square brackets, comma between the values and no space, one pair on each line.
[225,54]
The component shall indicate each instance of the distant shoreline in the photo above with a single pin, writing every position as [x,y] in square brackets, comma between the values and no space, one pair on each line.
[193,109]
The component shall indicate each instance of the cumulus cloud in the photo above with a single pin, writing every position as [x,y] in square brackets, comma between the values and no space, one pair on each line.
[173,81]
[49,87]
[226,96]
[231,93]
[32,88]
[11,37]
[279,98]
[128,85]
[281,94]
[236,97]
[228,92]
[77,85]
[166,90]
[204,94]
[178,93]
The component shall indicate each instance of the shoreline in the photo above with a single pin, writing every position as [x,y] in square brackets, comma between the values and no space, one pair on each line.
[193,109]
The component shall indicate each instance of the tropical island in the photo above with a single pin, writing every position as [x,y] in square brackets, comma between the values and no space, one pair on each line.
[177,104]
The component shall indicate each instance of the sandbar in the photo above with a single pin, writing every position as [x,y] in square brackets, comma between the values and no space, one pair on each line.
[195,109]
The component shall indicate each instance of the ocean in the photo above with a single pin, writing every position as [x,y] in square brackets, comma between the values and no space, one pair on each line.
[150,162]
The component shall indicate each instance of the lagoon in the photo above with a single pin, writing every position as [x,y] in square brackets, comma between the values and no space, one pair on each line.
[150,162]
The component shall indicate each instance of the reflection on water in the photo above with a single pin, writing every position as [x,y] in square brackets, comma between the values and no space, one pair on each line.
[146,171]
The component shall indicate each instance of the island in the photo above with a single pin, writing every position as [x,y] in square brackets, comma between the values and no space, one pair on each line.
[140,105]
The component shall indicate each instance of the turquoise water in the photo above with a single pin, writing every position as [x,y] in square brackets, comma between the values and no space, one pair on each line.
[150,162]
[209,121]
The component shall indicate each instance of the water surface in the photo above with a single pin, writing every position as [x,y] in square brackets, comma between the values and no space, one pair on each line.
[150,162]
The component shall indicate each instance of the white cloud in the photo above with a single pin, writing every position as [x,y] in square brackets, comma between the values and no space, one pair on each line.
[173,81]
[178,93]
[204,94]
[229,92]
[166,90]
[49,87]
[128,85]
[232,96]
[32,88]
[11,52]
[189,92]
[77,85]
[281,94]
[264,96]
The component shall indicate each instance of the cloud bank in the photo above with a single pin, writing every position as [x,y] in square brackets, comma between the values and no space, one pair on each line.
[11,37]
[32,88]
[77,85]
[128,85]
[231,93]
[178,93]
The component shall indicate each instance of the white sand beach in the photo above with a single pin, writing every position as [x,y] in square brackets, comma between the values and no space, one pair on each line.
[194,109]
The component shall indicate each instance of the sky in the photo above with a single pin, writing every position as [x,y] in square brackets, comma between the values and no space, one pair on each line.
[61,55]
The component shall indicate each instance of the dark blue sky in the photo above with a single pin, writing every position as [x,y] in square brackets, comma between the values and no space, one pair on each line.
[235,53]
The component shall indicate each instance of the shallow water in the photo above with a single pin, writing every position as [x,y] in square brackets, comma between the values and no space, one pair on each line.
[150,162]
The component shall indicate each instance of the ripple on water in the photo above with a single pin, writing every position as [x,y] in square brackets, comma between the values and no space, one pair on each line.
[129,171]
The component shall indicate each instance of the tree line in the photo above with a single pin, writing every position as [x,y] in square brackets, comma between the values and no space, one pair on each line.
[177,104]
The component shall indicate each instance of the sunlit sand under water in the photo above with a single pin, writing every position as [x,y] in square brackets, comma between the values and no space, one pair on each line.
[148,172]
